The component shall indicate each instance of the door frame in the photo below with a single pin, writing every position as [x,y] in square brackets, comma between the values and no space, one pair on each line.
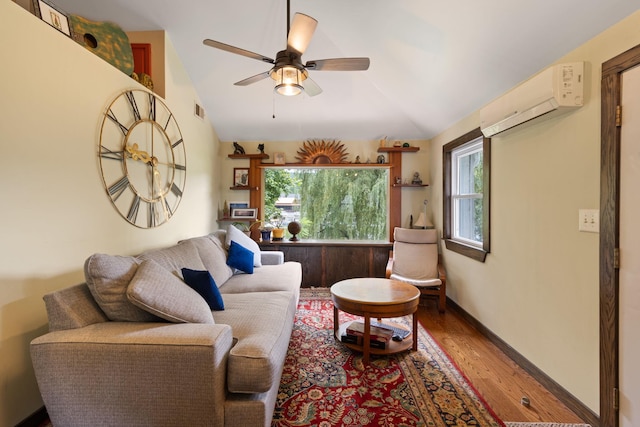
[611,93]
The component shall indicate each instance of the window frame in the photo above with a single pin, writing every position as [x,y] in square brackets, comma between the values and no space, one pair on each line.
[478,253]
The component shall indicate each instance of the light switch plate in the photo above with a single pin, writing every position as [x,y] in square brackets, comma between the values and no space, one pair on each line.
[589,220]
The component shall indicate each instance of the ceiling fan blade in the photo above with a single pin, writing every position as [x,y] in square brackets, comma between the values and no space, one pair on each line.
[302,29]
[339,64]
[252,79]
[311,88]
[237,51]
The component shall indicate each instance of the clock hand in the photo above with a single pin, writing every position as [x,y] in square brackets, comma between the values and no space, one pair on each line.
[156,178]
[138,154]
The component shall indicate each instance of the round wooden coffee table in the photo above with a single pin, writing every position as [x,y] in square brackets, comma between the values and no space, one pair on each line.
[375,298]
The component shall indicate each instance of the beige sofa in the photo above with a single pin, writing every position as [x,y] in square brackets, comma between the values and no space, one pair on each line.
[137,346]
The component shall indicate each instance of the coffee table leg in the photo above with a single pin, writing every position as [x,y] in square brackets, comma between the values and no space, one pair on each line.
[366,345]
[336,322]
[415,331]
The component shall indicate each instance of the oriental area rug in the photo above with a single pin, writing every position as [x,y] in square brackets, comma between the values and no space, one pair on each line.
[325,384]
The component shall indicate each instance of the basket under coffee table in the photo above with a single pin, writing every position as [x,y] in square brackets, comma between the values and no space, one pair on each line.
[375,298]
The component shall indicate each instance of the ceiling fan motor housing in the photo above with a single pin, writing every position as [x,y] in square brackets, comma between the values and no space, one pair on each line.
[287,63]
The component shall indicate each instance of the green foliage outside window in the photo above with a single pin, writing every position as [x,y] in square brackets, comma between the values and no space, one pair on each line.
[335,203]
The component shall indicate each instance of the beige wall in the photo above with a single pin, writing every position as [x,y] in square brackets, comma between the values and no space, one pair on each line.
[412,198]
[538,289]
[55,212]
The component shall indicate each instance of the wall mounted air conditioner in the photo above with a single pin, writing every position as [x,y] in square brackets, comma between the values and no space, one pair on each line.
[557,89]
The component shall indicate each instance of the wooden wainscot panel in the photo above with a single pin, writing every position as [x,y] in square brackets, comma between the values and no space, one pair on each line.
[325,262]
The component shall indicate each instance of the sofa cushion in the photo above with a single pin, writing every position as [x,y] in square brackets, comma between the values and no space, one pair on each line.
[203,283]
[156,290]
[214,256]
[240,257]
[261,323]
[175,258]
[281,277]
[72,307]
[108,277]
[235,235]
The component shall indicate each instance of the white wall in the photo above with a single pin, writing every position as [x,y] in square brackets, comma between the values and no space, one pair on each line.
[412,198]
[54,210]
[538,289]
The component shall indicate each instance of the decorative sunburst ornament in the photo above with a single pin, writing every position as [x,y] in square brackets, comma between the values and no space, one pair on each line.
[322,152]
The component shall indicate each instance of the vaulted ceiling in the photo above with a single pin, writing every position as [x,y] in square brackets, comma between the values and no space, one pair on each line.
[432,62]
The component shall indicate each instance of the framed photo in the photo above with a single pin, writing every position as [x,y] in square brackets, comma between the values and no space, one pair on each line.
[247,213]
[278,158]
[52,16]
[240,177]
[238,205]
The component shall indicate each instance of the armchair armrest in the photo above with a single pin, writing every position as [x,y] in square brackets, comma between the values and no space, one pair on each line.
[389,268]
[120,373]
[272,257]
[441,273]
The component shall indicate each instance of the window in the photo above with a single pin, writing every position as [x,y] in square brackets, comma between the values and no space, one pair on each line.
[329,202]
[466,194]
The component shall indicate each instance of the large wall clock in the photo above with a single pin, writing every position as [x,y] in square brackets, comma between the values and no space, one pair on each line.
[142,158]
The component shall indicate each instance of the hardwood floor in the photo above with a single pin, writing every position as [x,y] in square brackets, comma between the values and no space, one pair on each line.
[499,380]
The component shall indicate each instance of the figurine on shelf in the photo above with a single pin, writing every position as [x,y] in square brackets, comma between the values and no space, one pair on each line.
[416,179]
[261,148]
[357,159]
[380,159]
[237,148]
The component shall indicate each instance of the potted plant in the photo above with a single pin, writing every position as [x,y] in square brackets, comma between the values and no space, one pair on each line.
[278,226]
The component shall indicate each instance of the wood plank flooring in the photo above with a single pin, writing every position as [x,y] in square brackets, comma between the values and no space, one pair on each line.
[499,380]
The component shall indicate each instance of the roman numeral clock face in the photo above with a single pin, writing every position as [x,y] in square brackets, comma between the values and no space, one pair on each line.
[142,158]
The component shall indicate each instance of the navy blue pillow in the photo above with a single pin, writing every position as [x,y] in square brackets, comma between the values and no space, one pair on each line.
[240,258]
[203,283]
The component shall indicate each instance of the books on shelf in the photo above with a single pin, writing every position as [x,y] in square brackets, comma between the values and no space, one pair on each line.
[355,339]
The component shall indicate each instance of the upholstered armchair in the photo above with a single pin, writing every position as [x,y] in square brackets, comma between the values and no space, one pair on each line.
[414,259]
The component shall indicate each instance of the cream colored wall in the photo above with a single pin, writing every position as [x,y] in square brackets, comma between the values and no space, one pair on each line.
[538,289]
[412,198]
[55,212]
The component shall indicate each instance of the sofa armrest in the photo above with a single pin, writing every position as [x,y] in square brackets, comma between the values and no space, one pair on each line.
[118,373]
[272,257]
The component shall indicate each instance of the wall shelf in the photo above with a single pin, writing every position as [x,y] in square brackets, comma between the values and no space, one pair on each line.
[398,149]
[229,219]
[410,185]
[249,156]
[243,187]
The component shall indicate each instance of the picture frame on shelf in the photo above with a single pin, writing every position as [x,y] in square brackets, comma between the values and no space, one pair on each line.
[240,177]
[278,158]
[244,213]
[238,205]
[52,16]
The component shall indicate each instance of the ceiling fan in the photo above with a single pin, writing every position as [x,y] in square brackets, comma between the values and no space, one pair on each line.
[288,71]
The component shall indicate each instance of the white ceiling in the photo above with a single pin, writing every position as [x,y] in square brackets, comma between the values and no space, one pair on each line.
[433,62]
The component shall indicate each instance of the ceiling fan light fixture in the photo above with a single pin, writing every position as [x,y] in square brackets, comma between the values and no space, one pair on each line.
[288,81]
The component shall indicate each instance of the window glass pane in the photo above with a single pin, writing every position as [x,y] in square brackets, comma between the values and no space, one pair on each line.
[330,203]
[468,214]
[470,173]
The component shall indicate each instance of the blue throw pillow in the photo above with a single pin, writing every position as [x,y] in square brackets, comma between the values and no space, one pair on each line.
[240,258]
[203,283]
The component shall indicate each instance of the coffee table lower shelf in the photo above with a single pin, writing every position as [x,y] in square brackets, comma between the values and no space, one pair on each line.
[391,348]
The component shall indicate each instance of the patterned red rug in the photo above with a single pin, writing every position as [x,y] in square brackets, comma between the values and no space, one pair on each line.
[325,384]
